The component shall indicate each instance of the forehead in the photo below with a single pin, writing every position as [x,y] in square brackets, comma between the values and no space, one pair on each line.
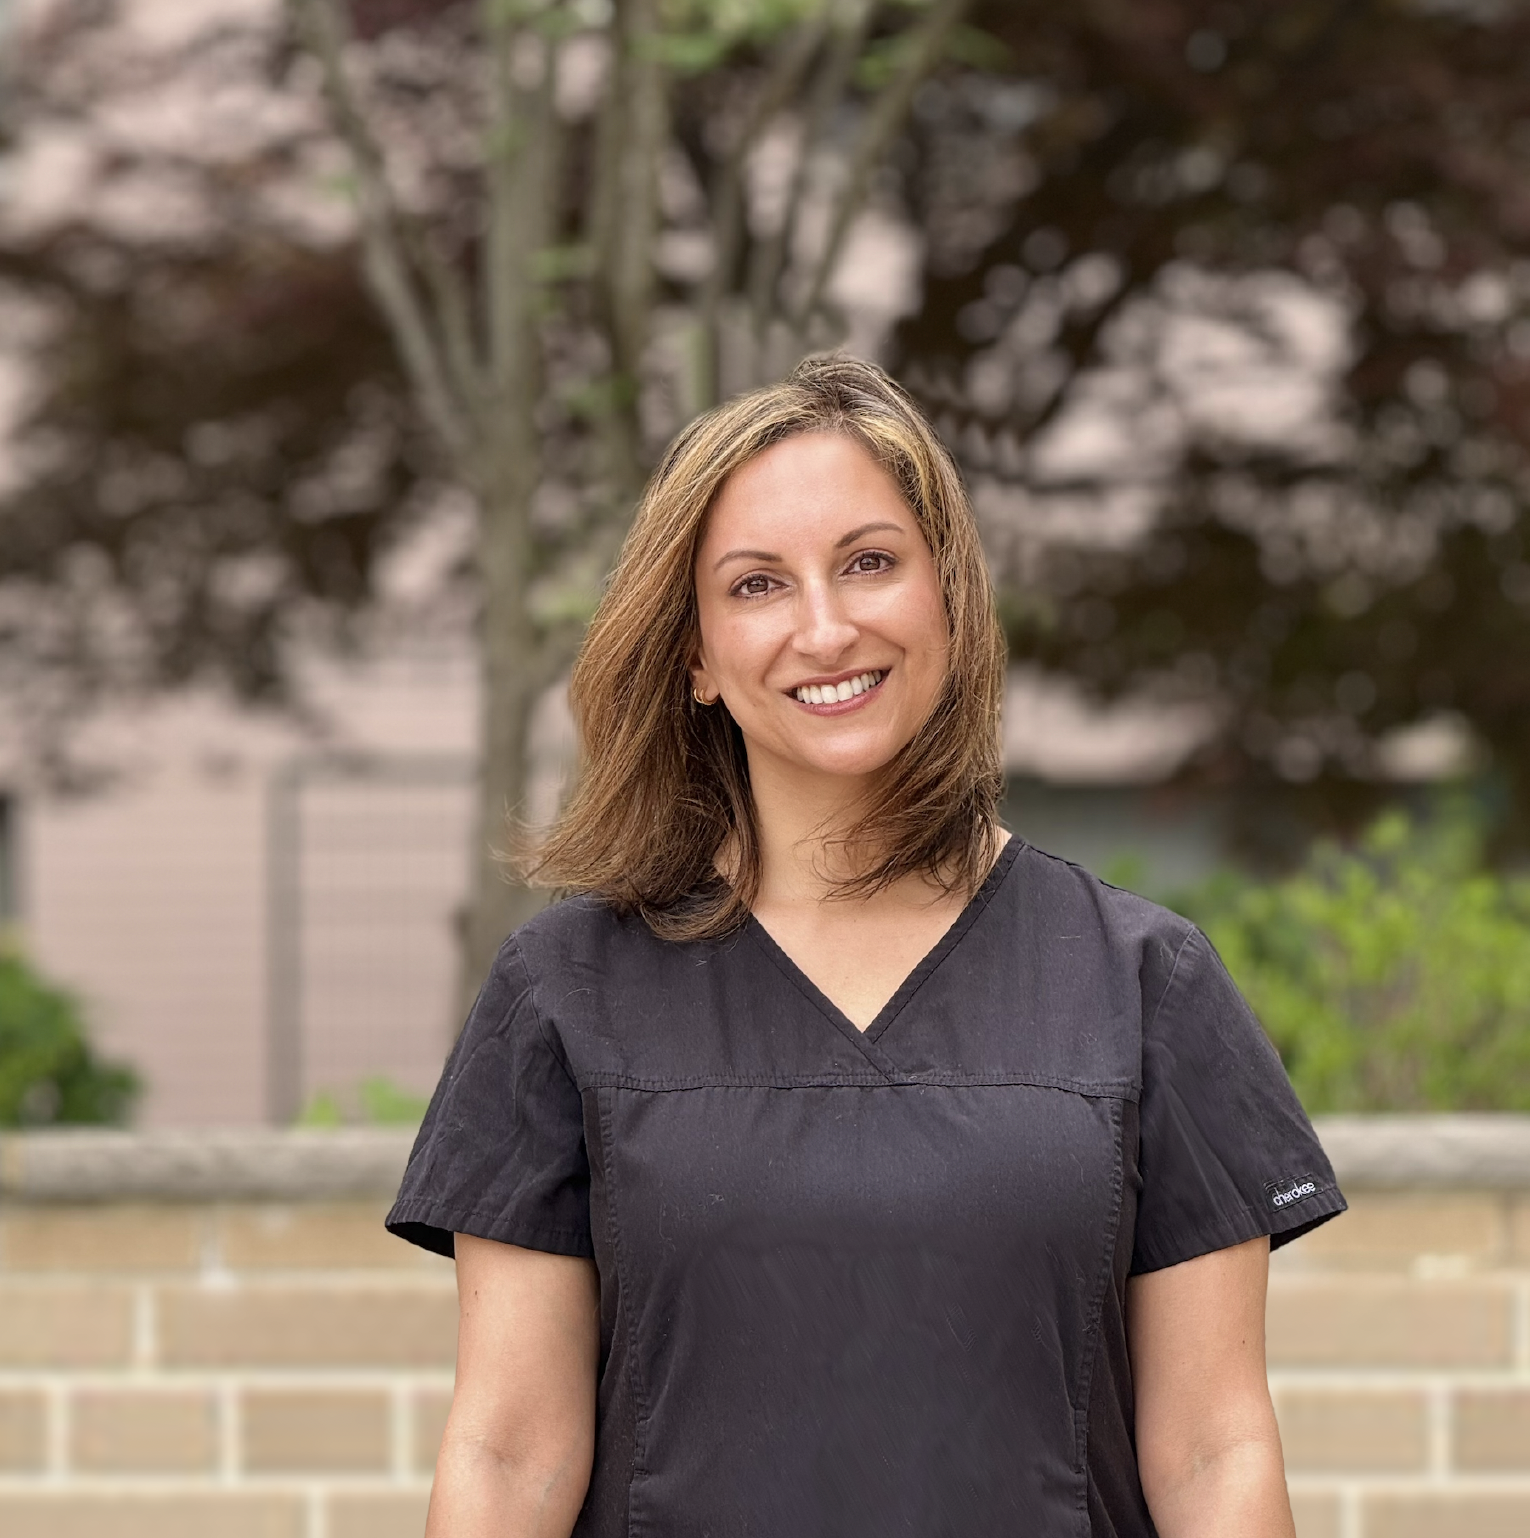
[808,484]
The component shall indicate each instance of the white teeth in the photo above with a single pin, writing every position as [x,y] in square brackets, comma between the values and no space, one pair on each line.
[828,694]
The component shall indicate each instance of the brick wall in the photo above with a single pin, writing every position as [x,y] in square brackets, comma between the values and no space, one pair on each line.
[1399,1348]
[252,1370]
[214,1338]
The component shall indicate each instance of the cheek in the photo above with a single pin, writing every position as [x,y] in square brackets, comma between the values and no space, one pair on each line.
[926,632]
[732,643]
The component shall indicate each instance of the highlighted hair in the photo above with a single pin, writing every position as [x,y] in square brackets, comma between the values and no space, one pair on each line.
[663,787]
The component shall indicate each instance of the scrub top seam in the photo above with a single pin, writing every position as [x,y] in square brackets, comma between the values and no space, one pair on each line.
[640,1409]
[1179,956]
[1118,1089]
[1240,1224]
[1094,1320]
[554,1047]
[483,1220]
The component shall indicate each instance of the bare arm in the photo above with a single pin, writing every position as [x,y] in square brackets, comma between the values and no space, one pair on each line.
[520,1439]
[1208,1448]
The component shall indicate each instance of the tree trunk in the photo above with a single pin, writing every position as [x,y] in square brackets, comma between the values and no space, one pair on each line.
[511,677]
[524,145]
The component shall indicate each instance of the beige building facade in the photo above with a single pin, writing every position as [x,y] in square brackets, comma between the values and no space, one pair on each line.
[255,911]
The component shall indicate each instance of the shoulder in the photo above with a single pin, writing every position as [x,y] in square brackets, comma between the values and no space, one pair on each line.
[570,921]
[1046,882]
[612,997]
[586,936]
[1103,926]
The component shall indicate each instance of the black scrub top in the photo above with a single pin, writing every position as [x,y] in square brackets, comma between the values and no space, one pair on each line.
[855,1284]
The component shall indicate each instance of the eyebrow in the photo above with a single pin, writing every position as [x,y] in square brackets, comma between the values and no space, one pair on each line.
[744,555]
[839,544]
[865,528]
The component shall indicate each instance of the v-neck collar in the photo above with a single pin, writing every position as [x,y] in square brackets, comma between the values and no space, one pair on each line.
[868,1039]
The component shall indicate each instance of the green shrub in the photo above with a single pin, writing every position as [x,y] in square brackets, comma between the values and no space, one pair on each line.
[376,1102]
[1394,976]
[49,1073]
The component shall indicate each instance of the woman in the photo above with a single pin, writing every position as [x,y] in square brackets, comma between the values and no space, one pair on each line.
[835,1164]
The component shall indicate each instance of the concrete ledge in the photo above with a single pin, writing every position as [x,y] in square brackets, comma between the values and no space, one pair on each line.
[1490,1150]
[273,1164]
[254,1164]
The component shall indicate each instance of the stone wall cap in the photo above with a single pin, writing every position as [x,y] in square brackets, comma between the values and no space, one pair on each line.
[296,1165]
[224,1164]
[1483,1149]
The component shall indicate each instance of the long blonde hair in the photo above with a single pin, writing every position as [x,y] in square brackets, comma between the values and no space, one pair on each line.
[664,781]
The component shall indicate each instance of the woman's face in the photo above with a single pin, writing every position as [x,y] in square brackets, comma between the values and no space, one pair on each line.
[822,623]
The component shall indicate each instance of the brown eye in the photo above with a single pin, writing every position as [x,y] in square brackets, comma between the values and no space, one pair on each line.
[752,587]
[870,562]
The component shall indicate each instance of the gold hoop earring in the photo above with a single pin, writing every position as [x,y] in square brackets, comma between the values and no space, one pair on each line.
[699,697]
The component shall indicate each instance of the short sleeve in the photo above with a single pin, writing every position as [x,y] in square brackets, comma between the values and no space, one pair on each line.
[501,1152]
[1226,1152]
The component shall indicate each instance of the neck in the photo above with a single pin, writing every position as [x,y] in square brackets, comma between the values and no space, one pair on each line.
[799,818]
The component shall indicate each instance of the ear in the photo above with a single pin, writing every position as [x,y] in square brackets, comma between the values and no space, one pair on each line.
[702,682]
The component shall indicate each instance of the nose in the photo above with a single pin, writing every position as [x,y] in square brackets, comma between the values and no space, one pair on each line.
[825,630]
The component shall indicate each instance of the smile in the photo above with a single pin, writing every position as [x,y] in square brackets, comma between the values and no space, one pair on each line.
[837,693]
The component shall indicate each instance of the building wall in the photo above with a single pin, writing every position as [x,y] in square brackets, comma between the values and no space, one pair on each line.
[150,896]
[276,1366]
[147,902]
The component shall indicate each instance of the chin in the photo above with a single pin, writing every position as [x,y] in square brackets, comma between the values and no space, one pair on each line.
[852,764]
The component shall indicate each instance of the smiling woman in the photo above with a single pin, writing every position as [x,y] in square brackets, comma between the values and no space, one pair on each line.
[831,1163]
[795,538]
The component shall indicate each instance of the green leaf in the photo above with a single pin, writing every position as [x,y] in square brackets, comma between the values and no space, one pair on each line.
[322,1110]
[686,53]
[49,1072]
[598,398]
[376,1101]
[563,264]
[882,59]
[978,49]
[387,1104]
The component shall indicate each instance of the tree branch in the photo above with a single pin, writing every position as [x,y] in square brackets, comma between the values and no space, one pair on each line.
[425,342]
[623,224]
[631,272]
[524,149]
[850,20]
[786,71]
[1079,342]
[882,123]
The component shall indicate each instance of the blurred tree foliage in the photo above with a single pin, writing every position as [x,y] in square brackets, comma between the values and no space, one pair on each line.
[1394,976]
[1225,309]
[1241,361]
[492,211]
[214,448]
[49,1073]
